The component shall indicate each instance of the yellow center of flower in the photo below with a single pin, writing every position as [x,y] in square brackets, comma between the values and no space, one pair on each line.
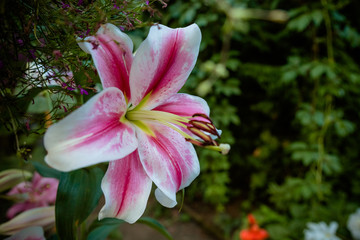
[197,129]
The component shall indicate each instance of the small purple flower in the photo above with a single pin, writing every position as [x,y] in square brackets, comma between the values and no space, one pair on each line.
[65,86]
[147,2]
[82,91]
[27,124]
[83,34]
[32,53]
[80,2]
[20,42]
[64,5]
[115,6]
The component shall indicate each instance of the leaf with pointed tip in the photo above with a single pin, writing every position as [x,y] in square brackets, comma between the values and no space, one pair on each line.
[155,225]
[101,229]
[78,194]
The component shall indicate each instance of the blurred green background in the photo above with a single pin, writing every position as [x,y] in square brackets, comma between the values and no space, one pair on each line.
[282,80]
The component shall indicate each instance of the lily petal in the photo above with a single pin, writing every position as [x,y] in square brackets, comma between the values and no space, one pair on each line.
[42,216]
[169,160]
[45,188]
[184,105]
[11,177]
[30,233]
[111,51]
[91,134]
[20,207]
[126,188]
[163,63]
[164,200]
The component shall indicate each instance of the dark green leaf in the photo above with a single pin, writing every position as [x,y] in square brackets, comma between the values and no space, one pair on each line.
[78,194]
[103,228]
[155,225]
[46,171]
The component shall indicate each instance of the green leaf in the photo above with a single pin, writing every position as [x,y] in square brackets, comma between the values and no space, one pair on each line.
[318,70]
[39,105]
[155,225]
[300,23]
[344,128]
[46,171]
[78,194]
[103,228]
[289,76]
[24,101]
[317,17]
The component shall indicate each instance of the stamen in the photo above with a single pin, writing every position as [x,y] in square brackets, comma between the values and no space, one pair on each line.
[203,116]
[205,126]
[203,130]
[223,148]
[185,135]
[156,115]
[207,138]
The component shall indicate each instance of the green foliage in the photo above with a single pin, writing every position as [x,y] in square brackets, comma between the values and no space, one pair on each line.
[78,194]
[283,86]
[101,229]
[155,225]
[286,96]
[46,171]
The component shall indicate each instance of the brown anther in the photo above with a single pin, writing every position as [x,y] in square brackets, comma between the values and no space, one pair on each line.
[204,129]
[203,116]
[200,134]
[197,143]
[205,126]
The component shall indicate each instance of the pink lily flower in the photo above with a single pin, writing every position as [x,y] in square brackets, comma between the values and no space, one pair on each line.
[41,192]
[138,122]
[42,216]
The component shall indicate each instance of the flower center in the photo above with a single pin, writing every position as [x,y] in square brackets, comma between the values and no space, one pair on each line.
[197,129]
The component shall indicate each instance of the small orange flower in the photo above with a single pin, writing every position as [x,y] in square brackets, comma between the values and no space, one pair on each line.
[254,232]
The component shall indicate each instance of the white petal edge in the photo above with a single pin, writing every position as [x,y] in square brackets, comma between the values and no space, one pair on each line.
[91,134]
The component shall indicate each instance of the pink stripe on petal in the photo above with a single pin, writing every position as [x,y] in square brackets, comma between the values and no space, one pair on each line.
[126,188]
[111,50]
[91,134]
[168,159]
[163,63]
[184,105]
